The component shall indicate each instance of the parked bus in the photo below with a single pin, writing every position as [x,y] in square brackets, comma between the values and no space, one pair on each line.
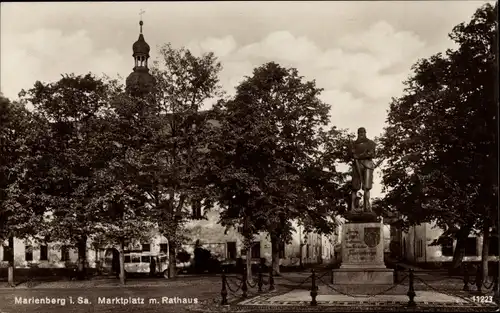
[140,263]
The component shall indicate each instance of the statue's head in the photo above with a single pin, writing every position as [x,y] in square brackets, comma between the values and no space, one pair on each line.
[361,132]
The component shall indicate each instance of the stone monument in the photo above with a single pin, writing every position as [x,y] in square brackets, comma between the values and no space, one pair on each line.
[362,236]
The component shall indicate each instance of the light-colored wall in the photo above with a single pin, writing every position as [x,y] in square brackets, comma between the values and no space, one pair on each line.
[53,253]
[208,231]
[427,233]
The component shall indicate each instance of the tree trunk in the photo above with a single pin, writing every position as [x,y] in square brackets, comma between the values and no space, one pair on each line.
[97,261]
[459,252]
[172,264]
[249,262]
[122,262]
[485,250]
[275,254]
[11,262]
[82,258]
[301,254]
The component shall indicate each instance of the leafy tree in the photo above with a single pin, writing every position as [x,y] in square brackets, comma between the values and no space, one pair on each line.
[74,108]
[441,142]
[125,214]
[22,165]
[270,168]
[163,136]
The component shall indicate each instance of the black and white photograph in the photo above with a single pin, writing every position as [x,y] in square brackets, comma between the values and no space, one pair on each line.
[249,156]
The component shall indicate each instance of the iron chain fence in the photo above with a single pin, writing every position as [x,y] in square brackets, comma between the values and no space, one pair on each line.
[409,278]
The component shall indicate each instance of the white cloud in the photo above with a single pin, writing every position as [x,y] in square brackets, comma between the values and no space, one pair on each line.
[219,46]
[45,54]
[234,72]
[359,54]
[282,45]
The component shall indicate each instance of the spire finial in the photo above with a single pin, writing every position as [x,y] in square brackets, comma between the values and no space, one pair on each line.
[141,12]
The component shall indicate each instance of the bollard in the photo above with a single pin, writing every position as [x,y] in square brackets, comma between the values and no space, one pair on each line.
[411,291]
[271,279]
[261,278]
[223,292]
[244,286]
[479,279]
[466,277]
[496,292]
[314,289]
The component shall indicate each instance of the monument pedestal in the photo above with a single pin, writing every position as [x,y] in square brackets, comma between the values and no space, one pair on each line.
[363,255]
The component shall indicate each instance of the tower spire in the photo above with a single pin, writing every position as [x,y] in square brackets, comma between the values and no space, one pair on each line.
[141,12]
[140,81]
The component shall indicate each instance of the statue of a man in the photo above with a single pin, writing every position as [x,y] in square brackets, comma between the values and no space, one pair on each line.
[363,151]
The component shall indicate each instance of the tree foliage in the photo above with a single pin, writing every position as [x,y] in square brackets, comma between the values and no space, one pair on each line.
[73,110]
[269,166]
[158,142]
[21,165]
[441,142]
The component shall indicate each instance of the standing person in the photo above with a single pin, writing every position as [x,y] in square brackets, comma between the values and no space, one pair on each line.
[115,263]
[152,267]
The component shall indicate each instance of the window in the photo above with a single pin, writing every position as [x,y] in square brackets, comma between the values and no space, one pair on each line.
[127,259]
[447,247]
[145,259]
[231,250]
[196,207]
[146,247]
[44,255]
[419,248]
[136,259]
[307,251]
[256,250]
[471,246]
[163,247]
[6,253]
[493,246]
[281,250]
[64,253]
[28,255]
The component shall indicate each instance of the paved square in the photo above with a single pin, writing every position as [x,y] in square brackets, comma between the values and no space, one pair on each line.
[303,297]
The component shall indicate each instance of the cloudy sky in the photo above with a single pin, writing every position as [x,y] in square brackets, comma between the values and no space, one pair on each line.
[359,52]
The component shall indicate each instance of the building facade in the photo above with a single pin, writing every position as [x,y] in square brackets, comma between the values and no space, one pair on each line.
[304,248]
[415,245]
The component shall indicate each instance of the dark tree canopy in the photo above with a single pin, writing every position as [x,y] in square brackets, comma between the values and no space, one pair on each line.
[22,164]
[441,142]
[269,152]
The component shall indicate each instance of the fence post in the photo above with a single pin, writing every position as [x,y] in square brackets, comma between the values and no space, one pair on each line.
[479,279]
[314,289]
[271,279]
[496,294]
[466,277]
[261,270]
[223,292]
[244,286]
[411,291]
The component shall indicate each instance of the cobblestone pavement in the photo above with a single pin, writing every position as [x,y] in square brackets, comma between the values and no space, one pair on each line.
[205,289]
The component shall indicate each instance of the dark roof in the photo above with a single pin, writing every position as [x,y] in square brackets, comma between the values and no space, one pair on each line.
[141,46]
[140,82]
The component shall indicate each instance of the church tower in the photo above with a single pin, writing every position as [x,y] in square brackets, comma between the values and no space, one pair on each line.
[140,81]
